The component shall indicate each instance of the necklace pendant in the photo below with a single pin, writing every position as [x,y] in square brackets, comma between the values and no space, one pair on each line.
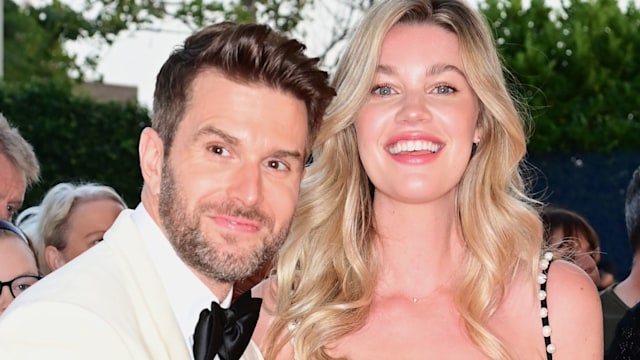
[415,300]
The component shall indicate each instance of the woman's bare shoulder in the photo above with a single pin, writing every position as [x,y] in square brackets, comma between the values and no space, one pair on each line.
[575,313]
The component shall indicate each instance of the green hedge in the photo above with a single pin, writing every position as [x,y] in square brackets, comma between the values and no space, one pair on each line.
[77,138]
[578,73]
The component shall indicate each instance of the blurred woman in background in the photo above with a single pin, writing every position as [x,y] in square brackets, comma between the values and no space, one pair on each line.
[18,266]
[573,238]
[70,220]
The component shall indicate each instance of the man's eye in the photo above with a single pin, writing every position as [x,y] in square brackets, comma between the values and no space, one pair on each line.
[219,150]
[278,165]
[12,212]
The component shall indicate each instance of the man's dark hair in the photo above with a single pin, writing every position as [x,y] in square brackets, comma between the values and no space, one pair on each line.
[632,210]
[245,53]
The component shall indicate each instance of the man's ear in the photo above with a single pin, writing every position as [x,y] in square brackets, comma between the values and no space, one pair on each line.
[53,257]
[151,152]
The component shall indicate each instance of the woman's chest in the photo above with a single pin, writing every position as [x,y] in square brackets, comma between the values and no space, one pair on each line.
[434,329]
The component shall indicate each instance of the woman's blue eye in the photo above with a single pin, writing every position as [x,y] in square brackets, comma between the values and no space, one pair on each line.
[444,89]
[383,90]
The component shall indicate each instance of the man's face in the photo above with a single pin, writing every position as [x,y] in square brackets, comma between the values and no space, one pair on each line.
[231,179]
[13,185]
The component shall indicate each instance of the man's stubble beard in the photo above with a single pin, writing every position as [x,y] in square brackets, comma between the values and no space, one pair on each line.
[190,243]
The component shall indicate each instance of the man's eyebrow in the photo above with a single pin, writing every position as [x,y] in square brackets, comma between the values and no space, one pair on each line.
[287,154]
[209,130]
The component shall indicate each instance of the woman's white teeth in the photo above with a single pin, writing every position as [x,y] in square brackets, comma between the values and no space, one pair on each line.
[413,145]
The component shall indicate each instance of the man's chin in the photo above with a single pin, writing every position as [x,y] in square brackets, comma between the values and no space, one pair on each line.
[231,266]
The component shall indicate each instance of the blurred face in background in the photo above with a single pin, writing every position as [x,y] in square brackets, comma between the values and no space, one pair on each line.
[17,264]
[578,249]
[13,185]
[85,227]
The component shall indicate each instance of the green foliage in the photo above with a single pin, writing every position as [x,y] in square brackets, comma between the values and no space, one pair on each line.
[76,138]
[117,15]
[578,71]
[34,36]
[33,48]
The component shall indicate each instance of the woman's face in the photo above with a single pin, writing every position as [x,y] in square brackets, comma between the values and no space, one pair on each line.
[87,223]
[417,127]
[579,249]
[16,259]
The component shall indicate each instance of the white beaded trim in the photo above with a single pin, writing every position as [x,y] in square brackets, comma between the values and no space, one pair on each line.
[544,264]
[542,278]
[544,312]
[551,348]
[542,296]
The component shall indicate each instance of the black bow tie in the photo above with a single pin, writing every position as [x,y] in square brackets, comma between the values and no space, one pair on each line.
[226,332]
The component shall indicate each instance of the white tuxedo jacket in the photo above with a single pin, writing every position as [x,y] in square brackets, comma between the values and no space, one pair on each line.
[108,303]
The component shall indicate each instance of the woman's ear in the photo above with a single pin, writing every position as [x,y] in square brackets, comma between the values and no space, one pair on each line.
[53,257]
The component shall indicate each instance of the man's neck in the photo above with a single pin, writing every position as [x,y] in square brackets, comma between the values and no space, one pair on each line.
[220,289]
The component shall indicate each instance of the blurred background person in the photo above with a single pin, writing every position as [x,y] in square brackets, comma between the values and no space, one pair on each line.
[70,220]
[19,169]
[618,298]
[625,343]
[573,238]
[18,266]
[607,269]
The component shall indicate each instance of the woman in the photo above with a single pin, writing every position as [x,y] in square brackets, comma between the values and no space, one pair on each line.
[572,237]
[18,267]
[70,220]
[414,236]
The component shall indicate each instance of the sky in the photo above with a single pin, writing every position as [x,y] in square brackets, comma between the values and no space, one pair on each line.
[134,59]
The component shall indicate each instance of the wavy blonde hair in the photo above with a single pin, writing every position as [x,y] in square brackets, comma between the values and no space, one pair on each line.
[327,270]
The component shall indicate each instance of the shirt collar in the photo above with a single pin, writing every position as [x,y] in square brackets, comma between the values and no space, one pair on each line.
[187,295]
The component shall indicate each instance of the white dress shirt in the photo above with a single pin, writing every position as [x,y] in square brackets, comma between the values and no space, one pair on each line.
[187,295]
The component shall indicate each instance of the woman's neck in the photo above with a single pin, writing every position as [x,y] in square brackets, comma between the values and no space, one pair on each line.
[420,246]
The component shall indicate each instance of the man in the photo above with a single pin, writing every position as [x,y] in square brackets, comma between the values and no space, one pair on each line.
[19,169]
[235,113]
[619,298]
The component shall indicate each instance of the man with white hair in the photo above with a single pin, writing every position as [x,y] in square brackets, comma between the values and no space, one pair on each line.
[18,169]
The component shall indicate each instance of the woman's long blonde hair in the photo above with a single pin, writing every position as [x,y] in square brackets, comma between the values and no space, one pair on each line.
[326,271]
